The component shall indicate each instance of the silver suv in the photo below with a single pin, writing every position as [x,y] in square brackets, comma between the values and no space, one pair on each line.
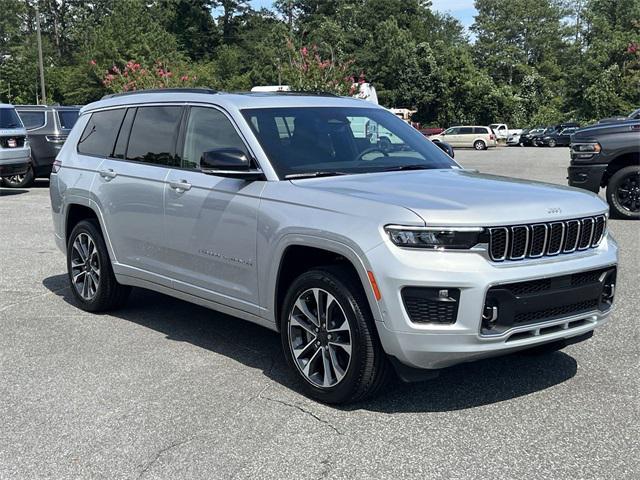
[15,153]
[284,210]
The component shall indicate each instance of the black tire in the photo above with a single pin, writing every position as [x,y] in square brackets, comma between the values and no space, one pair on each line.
[369,368]
[479,145]
[20,181]
[627,205]
[109,294]
[552,143]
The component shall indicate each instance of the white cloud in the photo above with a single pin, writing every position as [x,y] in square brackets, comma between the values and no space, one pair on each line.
[452,5]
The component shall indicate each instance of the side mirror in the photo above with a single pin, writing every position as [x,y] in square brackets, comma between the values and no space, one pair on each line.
[228,162]
[444,146]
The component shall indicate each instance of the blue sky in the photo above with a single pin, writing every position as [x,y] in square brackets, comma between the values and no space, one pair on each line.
[461,9]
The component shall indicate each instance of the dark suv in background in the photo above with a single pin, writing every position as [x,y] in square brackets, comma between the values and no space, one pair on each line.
[47,129]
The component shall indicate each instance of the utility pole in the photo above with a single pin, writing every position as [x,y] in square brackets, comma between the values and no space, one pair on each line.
[43,92]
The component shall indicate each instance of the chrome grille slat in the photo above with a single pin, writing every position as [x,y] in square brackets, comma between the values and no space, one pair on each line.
[545,239]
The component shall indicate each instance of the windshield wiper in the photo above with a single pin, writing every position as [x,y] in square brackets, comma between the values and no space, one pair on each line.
[407,167]
[293,176]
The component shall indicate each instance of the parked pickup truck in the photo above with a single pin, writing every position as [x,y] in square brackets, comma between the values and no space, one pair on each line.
[503,132]
[608,155]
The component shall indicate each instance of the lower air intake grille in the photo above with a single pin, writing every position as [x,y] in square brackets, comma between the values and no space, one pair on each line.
[431,305]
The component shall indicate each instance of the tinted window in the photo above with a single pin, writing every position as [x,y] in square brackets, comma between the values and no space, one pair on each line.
[100,133]
[481,130]
[67,118]
[207,129]
[153,136]
[465,131]
[9,118]
[32,120]
[123,135]
[303,140]
[452,131]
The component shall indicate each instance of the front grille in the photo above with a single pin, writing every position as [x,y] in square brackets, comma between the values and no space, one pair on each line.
[427,305]
[19,141]
[545,239]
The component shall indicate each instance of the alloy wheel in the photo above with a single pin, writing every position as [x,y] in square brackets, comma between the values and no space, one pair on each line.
[85,266]
[16,178]
[628,192]
[320,338]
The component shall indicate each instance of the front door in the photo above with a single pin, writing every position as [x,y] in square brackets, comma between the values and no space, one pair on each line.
[211,222]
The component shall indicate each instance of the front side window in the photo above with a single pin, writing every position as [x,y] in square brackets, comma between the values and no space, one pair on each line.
[341,140]
[100,133]
[67,118]
[9,118]
[451,131]
[154,134]
[32,119]
[207,129]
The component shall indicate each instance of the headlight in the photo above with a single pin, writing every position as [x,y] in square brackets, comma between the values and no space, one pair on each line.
[435,238]
[586,147]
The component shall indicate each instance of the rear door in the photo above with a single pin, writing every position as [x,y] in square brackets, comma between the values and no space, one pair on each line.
[466,137]
[130,186]
[211,221]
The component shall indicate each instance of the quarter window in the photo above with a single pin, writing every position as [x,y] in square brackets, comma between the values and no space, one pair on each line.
[32,120]
[100,133]
[153,135]
[207,129]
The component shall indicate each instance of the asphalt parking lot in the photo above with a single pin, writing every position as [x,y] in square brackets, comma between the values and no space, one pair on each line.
[166,389]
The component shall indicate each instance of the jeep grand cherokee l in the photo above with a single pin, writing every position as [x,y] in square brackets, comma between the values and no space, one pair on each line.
[271,208]
[14,148]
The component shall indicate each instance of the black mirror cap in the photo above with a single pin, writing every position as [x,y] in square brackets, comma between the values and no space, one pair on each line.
[444,146]
[229,162]
[225,159]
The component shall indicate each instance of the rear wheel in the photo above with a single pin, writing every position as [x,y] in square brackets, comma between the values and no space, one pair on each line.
[480,145]
[329,339]
[20,181]
[93,283]
[552,143]
[623,192]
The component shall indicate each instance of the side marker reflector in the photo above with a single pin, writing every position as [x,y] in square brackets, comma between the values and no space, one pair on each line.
[374,286]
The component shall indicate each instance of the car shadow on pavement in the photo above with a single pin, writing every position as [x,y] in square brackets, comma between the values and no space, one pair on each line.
[463,386]
[6,192]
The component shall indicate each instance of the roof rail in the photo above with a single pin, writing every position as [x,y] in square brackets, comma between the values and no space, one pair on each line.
[162,90]
[291,93]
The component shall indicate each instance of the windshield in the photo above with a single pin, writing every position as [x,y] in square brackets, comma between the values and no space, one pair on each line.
[68,118]
[9,118]
[341,140]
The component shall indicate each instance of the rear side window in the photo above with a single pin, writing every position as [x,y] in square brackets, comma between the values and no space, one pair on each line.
[465,131]
[208,129]
[67,118]
[100,133]
[153,135]
[9,118]
[32,120]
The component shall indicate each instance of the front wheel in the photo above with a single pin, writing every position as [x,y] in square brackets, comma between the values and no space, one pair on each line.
[329,339]
[93,283]
[480,145]
[20,181]
[552,143]
[623,192]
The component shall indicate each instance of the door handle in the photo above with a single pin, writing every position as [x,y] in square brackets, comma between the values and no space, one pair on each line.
[181,186]
[108,174]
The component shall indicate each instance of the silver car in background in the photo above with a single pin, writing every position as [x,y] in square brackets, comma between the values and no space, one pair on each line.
[274,208]
[14,147]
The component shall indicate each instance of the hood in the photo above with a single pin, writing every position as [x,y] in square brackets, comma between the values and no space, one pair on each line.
[462,197]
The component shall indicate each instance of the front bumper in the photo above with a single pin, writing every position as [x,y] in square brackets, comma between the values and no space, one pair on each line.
[588,177]
[431,345]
